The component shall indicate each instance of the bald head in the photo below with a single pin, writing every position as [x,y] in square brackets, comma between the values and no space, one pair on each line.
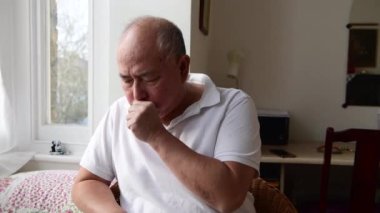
[158,33]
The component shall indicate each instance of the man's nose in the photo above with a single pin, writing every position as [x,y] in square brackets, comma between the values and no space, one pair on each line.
[139,92]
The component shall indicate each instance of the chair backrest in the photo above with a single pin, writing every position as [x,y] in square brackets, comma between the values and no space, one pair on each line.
[268,199]
[365,169]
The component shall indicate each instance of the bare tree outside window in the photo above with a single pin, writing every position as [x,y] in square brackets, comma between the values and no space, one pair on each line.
[68,77]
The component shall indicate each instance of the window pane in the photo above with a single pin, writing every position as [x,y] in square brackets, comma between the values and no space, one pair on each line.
[68,76]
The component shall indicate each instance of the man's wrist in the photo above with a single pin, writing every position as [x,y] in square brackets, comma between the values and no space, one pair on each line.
[160,137]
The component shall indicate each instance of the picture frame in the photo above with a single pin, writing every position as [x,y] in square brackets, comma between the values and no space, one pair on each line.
[204,16]
[363,47]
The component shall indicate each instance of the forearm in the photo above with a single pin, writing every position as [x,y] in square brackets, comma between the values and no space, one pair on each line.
[209,178]
[94,196]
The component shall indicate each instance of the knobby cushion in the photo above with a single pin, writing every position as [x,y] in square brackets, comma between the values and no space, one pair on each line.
[38,191]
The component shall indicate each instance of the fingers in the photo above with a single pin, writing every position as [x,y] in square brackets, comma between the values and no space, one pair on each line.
[139,106]
[130,120]
[132,116]
[143,120]
[137,110]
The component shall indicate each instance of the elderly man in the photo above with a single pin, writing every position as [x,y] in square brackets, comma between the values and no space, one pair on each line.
[175,142]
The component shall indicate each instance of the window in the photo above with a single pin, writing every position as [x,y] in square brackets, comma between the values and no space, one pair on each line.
[61,53]
[67,84]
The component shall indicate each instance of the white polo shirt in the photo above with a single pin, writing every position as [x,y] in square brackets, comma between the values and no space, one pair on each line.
[223,124]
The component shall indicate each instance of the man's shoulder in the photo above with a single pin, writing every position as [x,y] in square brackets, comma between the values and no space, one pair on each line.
[120,103]
[119,106]
[232,93]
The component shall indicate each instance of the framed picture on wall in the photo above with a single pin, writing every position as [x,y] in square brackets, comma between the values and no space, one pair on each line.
[204,16]
[363,47]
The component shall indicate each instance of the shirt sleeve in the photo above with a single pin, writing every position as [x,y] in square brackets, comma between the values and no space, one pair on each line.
[97,157]
[239,135]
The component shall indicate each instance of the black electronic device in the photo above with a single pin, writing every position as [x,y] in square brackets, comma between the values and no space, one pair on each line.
[274,127]
[282,153]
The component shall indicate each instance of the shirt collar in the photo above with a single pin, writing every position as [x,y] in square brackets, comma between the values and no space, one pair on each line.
[210,97]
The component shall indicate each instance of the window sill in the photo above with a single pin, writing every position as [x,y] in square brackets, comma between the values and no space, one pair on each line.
[52,162]
[43,160]
[57,158]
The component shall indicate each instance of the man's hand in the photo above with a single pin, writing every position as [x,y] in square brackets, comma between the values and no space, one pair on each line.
[143,120]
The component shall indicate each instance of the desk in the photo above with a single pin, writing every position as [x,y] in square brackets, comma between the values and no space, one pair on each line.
[305,154]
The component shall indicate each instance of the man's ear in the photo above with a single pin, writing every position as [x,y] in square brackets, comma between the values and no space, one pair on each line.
[184,65]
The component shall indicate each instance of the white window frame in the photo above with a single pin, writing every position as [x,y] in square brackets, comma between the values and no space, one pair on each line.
[68,134]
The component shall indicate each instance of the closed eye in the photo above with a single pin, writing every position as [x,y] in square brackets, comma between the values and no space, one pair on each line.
[151,79]
[126,79]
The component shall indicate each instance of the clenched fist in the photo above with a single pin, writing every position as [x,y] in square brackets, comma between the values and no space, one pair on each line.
[143,120]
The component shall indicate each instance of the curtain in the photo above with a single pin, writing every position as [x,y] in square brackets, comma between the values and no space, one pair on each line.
[6,115]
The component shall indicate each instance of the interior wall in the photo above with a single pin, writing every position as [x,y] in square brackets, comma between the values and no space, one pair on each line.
[295,60]
[5,42]
[122,12]
[365,11]
[6,84]
[199,42]
[20,64]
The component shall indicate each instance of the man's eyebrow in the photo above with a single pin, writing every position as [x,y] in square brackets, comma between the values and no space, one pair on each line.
[146,72]
[142,74]
[124,76]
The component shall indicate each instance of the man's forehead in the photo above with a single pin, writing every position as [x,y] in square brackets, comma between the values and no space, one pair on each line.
[139,70]
[142,73]
[136,52]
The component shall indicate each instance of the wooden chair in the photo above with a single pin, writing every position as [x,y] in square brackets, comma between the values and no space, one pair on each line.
[365,169]
[268,199]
